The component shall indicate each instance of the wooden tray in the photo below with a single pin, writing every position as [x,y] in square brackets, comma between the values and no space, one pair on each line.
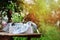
[8,36]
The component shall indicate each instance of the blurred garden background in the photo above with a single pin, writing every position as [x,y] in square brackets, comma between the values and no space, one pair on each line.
[47,16]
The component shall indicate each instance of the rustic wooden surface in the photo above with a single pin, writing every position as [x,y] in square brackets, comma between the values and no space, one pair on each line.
[22,35]
[8,36]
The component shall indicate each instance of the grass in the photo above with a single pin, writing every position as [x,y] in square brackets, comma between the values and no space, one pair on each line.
[50,32]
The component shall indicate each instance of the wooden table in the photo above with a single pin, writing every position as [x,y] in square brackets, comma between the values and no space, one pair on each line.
[8,36]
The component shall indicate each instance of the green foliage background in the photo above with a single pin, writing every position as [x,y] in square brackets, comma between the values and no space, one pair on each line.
[41,9]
